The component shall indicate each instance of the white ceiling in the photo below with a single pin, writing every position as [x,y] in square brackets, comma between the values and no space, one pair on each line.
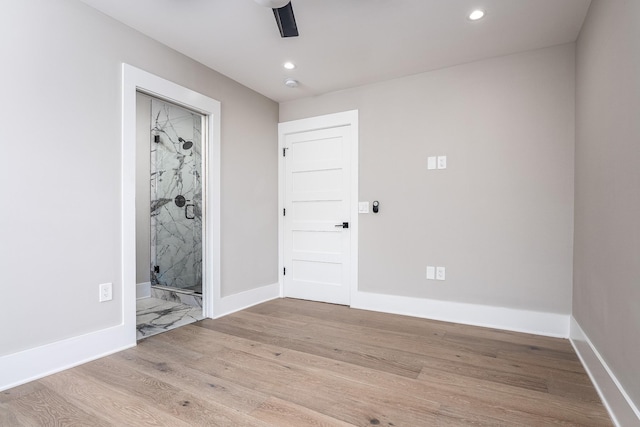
[346,43]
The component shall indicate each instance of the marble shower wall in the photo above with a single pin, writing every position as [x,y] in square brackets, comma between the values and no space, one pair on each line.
[176,222]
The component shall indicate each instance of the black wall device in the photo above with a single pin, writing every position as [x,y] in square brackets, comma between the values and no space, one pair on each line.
[375,205]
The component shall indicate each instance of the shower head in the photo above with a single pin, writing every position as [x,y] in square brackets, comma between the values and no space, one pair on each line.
[185,144]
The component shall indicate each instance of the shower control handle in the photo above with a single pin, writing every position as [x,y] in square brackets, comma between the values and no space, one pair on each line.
[186,211]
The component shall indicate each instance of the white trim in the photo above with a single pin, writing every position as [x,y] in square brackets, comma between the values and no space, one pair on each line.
[134,79]
[281,195]
[29,365]
[345,118]
[143,290]
[620,406]
[510,319]
[240,301]
[352,117]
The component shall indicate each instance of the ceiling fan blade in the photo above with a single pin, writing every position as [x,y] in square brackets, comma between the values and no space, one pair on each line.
[286,21]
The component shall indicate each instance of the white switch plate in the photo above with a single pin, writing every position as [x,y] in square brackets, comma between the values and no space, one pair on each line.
[431,163]
[363,207]
[442,162]
[440,273]
[431,272]
[106,292]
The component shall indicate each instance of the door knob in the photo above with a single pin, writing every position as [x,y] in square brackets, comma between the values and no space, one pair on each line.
[343,225]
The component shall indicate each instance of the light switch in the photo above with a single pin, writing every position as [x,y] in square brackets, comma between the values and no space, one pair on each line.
[363,207]
[431,163]
[442,162]
[440,273]
[431,272]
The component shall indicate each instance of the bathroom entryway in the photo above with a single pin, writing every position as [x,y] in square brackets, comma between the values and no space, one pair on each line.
[169,210]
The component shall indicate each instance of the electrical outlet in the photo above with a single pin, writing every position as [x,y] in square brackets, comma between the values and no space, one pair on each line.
[431,272]
[442,162]
[431,163]
[440,273]
[106,292]
[363,207]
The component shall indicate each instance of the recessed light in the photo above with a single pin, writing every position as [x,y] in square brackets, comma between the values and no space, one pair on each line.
[477,14]
[289,65]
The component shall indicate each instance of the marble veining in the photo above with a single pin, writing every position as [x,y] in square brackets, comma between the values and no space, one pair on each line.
[155,316]
[176,231]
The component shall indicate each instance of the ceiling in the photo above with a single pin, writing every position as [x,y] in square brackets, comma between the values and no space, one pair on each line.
[346,43]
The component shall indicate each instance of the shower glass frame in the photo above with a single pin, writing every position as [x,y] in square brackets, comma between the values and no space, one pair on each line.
[174,147]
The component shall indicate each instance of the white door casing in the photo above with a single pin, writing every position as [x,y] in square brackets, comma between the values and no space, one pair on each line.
[318,193]
[137,80]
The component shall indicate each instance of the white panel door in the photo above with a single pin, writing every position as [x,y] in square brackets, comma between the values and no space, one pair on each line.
[317,214]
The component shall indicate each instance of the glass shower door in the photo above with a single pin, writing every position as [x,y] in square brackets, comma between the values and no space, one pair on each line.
[176,197]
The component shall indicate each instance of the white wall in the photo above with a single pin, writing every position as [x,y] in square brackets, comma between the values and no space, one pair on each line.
[61,115]
[606,290]
[500,217]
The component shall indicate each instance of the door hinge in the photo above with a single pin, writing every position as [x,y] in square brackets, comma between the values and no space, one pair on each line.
[284,271]
[284,151]
[284,212]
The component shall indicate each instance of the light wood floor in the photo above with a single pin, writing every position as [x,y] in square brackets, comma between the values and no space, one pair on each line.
[298,363]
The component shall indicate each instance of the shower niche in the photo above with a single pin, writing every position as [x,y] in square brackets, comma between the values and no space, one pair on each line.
[176,198]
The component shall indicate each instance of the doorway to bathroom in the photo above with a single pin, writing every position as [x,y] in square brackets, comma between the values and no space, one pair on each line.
[135,82]
[169,211]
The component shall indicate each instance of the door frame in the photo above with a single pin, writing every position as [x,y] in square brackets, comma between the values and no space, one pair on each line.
[136,80]
[346,118]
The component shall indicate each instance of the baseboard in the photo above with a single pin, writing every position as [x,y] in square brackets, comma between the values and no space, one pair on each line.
[143,290]
[532,322]
[29,365]
[620,406]
[236,302]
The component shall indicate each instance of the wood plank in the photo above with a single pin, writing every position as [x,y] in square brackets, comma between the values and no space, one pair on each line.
[496,397]
[345,316]
[173,400]
[46,407]
[583,392]
[7,417]
[112,404]
[199,383]
[279,412]
[340,348]
[22,390]
[315,389]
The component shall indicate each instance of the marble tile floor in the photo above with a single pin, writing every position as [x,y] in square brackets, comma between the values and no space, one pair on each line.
[154,316]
